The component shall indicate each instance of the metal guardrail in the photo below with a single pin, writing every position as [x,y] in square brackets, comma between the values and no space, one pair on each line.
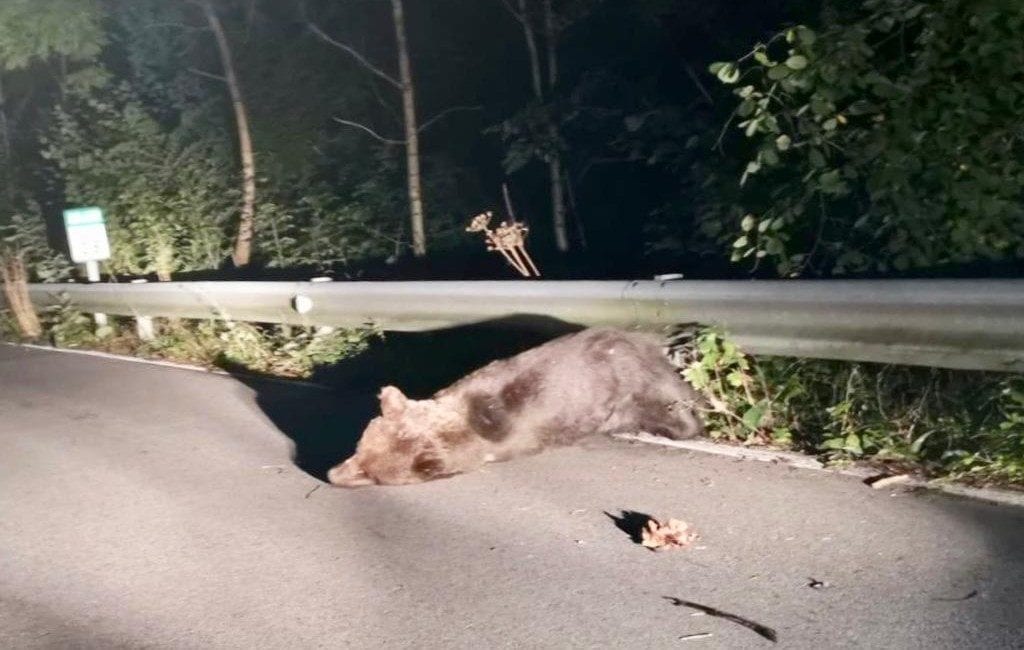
[970,324]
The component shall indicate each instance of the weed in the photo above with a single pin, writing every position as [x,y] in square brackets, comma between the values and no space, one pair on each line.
[962,424]
[66,326]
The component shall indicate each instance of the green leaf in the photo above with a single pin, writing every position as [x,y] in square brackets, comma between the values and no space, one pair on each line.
[729,73]
[805,36]
[748,223]
[914,11]
[716,67]
[774,246]
[829,182]
[697,376]
[779,72]
[853,444]
[820,107]
[861,107]
[796,62]
[816,158]
[782,142]
[740,242]
[752,417]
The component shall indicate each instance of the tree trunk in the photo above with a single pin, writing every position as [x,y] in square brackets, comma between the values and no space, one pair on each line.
[555,161]
[412,140]
[551,40]
[15,279]
[5,129]
[553,157]
[7,165]
[557,196]
[246,224]
[531,48]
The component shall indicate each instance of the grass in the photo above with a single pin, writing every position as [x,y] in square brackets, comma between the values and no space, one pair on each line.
[957,424]
[281,350]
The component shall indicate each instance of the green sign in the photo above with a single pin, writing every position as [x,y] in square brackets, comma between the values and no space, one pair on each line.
[83,217]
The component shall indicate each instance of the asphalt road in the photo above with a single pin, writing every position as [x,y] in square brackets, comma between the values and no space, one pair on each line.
[153,507]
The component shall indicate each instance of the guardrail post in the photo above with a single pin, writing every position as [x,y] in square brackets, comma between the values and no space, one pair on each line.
[144,324]
[323,330]
[92,273]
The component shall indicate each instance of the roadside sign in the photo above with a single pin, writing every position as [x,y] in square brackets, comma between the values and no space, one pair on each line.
[87,234]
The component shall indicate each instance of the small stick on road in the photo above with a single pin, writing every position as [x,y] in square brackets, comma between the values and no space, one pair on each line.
[763,630]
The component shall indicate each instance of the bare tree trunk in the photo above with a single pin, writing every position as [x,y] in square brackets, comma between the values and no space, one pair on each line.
[5,129]
[553,157]
[557,197]
[551,41]
[246,224]
[7,165]
[15,279]
[531,48]
[412,138]
[555,160]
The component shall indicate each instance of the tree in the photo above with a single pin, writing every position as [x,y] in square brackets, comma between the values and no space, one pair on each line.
[246,222]
[167,200]
[412,137]
[886,142]
[34,32]
[405,85]
[536,130]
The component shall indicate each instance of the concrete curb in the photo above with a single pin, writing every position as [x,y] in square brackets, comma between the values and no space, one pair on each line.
[166,364]
[801,461]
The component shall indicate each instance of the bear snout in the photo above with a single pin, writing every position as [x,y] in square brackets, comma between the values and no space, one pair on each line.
[348,474]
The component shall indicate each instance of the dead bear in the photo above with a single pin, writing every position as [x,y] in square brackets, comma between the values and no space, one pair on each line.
[596,381]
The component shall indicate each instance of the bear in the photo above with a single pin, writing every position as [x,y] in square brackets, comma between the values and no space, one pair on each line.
[595,381]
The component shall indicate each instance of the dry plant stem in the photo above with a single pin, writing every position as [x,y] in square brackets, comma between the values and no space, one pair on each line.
[514,251]
[514,262]
[508,202]
[495,245]
[533,266]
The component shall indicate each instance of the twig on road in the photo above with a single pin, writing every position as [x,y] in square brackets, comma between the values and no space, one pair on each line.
[957,600]
[763,630]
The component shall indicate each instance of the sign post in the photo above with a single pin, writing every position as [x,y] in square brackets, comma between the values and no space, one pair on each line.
[88,243]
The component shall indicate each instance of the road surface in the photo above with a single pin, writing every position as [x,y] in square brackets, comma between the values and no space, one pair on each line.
[151,507]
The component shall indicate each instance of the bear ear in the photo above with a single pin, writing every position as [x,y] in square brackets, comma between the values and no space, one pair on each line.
[392,402]
[349,474]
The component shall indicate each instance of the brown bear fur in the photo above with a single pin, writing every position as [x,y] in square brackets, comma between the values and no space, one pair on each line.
[597,381]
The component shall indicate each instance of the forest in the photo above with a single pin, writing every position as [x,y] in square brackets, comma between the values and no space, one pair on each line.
[267,139]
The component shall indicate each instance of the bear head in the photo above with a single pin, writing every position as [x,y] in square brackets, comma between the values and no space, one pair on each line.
[407,443]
